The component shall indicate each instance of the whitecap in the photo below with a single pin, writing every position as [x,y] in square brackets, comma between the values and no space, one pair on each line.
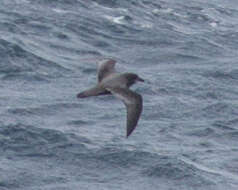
[117,20]
[143,24]
[59,10]
[157,11]
[213,24]
[146,25]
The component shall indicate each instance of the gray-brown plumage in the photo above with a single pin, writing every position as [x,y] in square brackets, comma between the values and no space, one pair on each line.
[111,82]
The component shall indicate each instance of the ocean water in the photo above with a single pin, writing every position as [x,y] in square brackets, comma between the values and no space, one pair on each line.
[187,137]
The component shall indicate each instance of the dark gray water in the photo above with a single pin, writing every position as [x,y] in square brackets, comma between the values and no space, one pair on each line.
[187,137]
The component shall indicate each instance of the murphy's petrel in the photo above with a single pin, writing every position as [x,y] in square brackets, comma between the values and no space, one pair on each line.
[111,82]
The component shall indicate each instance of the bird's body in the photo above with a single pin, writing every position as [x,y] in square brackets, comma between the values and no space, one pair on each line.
[111,82]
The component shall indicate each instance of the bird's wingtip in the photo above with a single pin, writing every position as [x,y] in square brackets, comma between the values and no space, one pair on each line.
[81,95]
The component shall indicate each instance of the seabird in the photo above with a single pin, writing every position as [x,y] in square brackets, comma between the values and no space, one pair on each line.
[118,84]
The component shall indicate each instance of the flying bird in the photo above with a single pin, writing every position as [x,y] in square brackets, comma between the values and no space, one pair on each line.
[118,84]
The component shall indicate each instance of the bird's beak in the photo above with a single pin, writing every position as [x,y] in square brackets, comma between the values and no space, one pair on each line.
[140,79]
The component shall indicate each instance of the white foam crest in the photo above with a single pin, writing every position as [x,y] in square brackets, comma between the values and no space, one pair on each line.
[143,24]
[157,11]
[213,24]
[59,10]
[117,20]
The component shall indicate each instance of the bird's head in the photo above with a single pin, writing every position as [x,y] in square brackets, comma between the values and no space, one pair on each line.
[133,78]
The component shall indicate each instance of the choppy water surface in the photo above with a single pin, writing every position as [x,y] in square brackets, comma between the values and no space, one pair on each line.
[187,137]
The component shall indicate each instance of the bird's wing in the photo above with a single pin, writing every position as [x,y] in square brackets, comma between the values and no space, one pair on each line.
[105,68]
[133,102]
[94,91]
